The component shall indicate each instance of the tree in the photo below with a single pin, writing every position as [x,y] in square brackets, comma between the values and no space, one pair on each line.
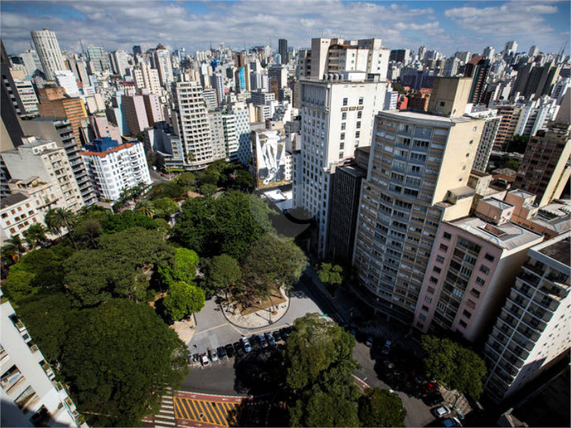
[453,365]
[15,243]
[19,285]
[183,269]
[146,208]
[118,222]
[324,410]
[244,179]
[35,234]
[164,207]
[58,219]
[183,299]
[89,229]
[186,180]
[208,189]
[222,272]
[119,360]
[518,144]
[330,274]
[381,408]
[46,266]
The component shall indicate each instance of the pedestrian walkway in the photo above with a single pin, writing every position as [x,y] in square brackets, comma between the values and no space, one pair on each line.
[259,319]
[207,410]
[166,416]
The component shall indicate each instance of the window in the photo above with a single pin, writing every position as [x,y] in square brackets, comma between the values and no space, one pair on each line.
[433,280]
[489,257]
[344,116]
[358,125]
[340,155]
[357,134]
[485,269]
[425,308]
[437,269]
[431,290]
[428,299]
[423,318]
[360,101]
[447,236]
[343,126]
[463,324]
[440,259]
[443,247]
[342,136]
[467,314]
[345,102]
[442,103]
[359,114]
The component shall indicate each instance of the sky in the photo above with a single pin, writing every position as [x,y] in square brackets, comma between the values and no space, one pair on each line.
[447,26]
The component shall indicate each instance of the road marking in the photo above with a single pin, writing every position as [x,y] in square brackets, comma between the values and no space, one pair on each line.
[234,327]
[207,411]
[210,329]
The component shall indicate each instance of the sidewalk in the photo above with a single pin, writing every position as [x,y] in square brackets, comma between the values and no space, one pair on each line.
[261,318]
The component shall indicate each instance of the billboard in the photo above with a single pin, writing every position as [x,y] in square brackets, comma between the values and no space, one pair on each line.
[270,158]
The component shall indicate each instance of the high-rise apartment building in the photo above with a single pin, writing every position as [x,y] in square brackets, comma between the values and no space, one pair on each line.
[27,96]
[98,59]
[337,117]
[471,270]
[120,62]
[488,53]
[478,69]
[545,168]
[30,393]
[135,113]
[113,167]
[488,138]
[532,330]
[417,178]
[243,129]
[535,115]
[67,80]
[154,108]
[283,51]
[49,52]
[218,134]
[44,159]
[55,104]
[164,65]
[510,48]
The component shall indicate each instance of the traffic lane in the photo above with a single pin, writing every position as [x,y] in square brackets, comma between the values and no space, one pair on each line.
[417,413]
[217,378]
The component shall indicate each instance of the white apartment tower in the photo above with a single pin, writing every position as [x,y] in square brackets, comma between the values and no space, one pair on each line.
[30,393]
[488,137]
[532,330]
[417,177]
[337,116]
[49,52]
[164,65]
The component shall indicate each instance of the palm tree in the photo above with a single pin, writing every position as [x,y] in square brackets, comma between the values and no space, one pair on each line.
[61,218]
[35,234]
[52,222]
[15,244]
[145,207]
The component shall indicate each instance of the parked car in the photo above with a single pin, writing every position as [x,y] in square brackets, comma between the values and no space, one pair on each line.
[270,339]
[196,358]
[213,355]
[387,347]
[450,422]
[441,411]
[229,351]
[246,343]
[277,336]
[429,387]
[204,360]
[221,352]
[369,342]
[263,341]
[433,399]
[239,349]
[285,332]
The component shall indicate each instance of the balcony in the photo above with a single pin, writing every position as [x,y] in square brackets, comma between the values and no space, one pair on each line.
[533,268]
[529,278]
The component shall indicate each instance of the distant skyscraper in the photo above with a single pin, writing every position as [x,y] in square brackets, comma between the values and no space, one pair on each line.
[283,51]
[488,52]
[533,51]
[510,48]
[478,69]
[137,50]
[421,52]
[49,52]
[98,58]
[164,65]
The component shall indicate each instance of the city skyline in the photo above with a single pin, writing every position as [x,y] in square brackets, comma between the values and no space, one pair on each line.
[444,26]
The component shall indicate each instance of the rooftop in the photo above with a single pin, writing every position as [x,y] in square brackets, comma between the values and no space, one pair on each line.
[558,249]
[498,203]
[508,236]
[425,117]
[8,201]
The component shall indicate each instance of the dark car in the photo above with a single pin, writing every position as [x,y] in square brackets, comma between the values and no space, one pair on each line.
[239,349]
[270,339]
[285,332]
[229,350]
[263,341]
[221,352]
[277,336]
[433,399]
[450,422]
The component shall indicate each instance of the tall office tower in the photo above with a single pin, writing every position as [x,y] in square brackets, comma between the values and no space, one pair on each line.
[536,80]
[190,121]
[283,51]
[488,138]
[545,168]
[137,50]
[532,331]
[239,60]
[510,48]
[164,65]
[113,167]
[54,104]
[10,124]
[66,79]
[31,61]
[336,55]
[78,68]
[421,53]
[135,113]
[218,84]
[478,69]
[44,159]
[31,395]
[488,53]
[400,55]
[49,52]
[533,51]
[337,118]
[417,178]
[120,62]
[240,80]
[471,271]
[279,73]
[260,98]
[99,59]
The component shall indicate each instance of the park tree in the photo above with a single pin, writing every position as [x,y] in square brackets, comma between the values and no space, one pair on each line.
[186,180]
[320,409]
[208,189]
[15,244]
[35,235]
[126,220]
[119,360]
[19,285]
[453,365]
[330,274]
[182,300]
[222,272]
[88,230]
[60,219]
[381,408]
[164,207]
[183,269]
[146,208]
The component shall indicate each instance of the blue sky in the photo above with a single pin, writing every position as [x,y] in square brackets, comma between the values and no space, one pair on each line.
[445,25]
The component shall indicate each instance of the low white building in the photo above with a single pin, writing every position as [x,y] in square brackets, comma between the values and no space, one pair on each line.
[29,392]
[17,214]
[113,167]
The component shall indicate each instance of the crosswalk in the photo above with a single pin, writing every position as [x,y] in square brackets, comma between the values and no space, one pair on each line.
[223,414]
[166,416]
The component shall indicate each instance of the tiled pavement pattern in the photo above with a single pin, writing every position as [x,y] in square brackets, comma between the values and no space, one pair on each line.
[213,413]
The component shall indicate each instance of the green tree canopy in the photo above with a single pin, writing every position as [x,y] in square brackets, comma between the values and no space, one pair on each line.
[381,408]
[453,365]
[320,409]
[88,230]
[164,207]
[222,272]
[19,285]
[35,235]
[275,261]
[186,180]
[208,189]
[183,299]
[126,220]
[330,274]
[119,360]
[183,269]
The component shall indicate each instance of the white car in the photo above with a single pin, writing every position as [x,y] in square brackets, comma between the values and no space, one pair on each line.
[213,355]
[204,360]
[441,411]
